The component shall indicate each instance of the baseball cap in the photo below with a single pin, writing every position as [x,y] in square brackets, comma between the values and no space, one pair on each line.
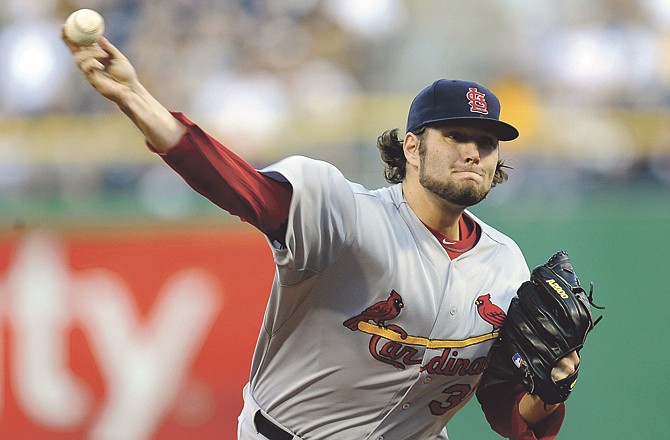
[454,100]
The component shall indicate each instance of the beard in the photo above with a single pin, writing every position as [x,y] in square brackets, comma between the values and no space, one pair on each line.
[452,192]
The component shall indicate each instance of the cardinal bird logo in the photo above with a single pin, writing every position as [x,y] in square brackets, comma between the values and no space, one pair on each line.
[379,312]
[490,312]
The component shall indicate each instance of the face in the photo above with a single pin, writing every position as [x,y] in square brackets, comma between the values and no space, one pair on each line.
[457,162]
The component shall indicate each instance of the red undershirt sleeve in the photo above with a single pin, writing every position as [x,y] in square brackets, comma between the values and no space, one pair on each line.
[228,181]
[500,404]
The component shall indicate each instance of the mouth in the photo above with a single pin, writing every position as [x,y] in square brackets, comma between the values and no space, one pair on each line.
[469,174]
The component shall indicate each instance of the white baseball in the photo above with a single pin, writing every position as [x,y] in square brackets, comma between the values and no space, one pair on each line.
[84,27]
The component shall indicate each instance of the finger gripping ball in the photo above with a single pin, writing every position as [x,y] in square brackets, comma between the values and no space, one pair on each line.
[84,27]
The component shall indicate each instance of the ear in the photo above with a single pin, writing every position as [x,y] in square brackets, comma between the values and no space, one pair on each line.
[410,147]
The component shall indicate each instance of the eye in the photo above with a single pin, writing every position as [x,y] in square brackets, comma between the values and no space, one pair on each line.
[456,136]
[487,143]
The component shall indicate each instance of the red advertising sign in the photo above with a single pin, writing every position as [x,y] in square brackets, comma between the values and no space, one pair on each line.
[137,336]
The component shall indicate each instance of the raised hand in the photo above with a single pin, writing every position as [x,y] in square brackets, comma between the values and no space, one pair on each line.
[106,69]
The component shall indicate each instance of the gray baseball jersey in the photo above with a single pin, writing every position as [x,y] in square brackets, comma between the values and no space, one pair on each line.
[371,330]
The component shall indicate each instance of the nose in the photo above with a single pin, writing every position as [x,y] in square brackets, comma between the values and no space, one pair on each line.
[470,152]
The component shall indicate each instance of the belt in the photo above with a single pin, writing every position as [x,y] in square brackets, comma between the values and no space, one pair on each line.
[269,429]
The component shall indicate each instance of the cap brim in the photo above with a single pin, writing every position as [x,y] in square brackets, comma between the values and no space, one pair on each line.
[503,130]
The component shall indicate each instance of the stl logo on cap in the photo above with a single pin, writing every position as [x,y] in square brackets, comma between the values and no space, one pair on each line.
[477,101]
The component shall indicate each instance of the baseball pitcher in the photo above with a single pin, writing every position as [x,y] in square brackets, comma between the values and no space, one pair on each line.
[391,308]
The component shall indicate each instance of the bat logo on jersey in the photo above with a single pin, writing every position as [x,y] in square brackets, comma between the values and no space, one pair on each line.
[477,101]
[490,312]
[379,312]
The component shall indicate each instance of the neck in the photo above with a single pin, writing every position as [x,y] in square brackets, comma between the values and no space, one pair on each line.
[433,211]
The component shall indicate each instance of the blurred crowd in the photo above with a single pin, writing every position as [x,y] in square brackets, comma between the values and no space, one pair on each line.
[587,78]
[604,52]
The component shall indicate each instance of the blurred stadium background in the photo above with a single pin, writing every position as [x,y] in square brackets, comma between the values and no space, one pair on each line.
[100,340]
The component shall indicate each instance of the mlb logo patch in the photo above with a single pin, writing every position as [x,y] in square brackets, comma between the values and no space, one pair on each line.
[518,360]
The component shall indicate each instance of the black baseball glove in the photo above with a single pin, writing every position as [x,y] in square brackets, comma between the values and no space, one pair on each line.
[549,319]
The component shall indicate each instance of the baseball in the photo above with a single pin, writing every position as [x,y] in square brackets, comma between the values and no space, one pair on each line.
[84,27]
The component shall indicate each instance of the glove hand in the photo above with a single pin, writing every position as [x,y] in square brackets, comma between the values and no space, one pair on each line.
[546,327]
[531,407]
[565,366]
[533,410]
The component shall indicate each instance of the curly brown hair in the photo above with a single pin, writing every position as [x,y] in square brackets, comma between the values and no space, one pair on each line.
[390,146]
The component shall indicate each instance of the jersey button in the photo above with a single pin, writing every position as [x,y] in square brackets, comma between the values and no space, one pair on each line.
[453,310]
[427,380]
[405,406]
